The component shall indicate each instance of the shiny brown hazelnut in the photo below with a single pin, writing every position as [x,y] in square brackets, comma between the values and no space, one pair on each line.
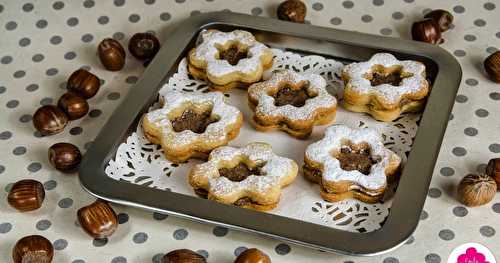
[492,66]
[183,256]
[64,157]
[253,255]
[112,54]
[26,195]
[83,83]
[49,120]
[73,105]
[476,189]
[143,46]
[292,10]
[98,219]
[426,31]
[442,17]
[493,170]
[33,249]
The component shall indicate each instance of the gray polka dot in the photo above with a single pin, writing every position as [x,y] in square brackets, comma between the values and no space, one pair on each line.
[432,258]
[471,82]
[2,89]
[38,57]
[19,150]
[366,18]
[459,151]
[256,11]
[8,187]
[76,130]
[195,12]
[122,218]
[479,22]
[469,38]
[55,40]
[408,1]
[1,8]
[165,16]
[496,208]
[140,238]
[50,185]
[65,202]
[113,96]
[348,4]
[317,6]
[494,148]
[87,145]
[78,261]
[31,87]
[118,36]
[481,168]
[158,216]
[58,5]
[495,96]
[434,192]
[470,131]
[103,20]
[87,38]
[25,118]
[37,134]
[239,250]
[131,79]
[119,260]
[447,171]
[88,3]
[60,244]
[461,98]
[336,21]
[386,31]
[11,25]
[180,1]
[72,21]
[5,228]
[459,53]
[6,60]
[180,234]
[23,42]
[489,6]
[46,101]
[51,71]
[5,135]
[134,18]
[158,258]
[12,104]
[70,55]
[491,49]
[119,2]
[28,7]
[397,15]
[446,234]
[391,260]
[95,113]
[459,9]
[42,23]
[19,74]
[99,242]
[43,224]
[378,2]
[487,231]
[460,211]
[282,249]
[410,240]
[219,231]
[149,2]
[203,253]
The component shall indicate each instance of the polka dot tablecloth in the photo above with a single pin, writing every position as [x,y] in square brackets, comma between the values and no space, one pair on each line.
[43,42]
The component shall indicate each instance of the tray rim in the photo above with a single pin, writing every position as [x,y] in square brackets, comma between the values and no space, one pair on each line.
[403,218]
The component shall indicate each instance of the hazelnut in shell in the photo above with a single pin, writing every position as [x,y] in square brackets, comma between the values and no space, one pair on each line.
[112,54]
[476,189]
[83,83]
[253,255]
[183,256]
[493,170]
[65,157]
[73,105]
[442,17]
[292,10]
[31,249]
[492,66]
[98,219]
[144,46]
[49,120]
[426,31]
[26,195]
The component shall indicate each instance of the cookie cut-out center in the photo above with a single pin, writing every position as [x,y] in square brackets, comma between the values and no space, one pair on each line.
[193,120]
[392,76]
[233,54]
[287,95]
[356,158]
[240,172]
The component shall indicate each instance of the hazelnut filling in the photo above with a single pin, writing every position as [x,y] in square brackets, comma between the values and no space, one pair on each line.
[192,120]
[233,54]
[382,75]
[287,95]
[353,157]
[240,172]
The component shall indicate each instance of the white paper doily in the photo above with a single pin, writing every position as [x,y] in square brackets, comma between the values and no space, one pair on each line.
[139,162]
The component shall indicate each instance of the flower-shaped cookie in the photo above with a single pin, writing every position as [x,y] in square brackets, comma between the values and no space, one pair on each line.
[229,59]
[250,177]
[385,87]
[291,102]
[350,163]
[191,125]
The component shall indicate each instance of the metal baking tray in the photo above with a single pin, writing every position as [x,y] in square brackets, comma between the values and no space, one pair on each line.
[443,71]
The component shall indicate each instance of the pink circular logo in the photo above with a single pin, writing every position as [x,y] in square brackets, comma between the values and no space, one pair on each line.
[471,253]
